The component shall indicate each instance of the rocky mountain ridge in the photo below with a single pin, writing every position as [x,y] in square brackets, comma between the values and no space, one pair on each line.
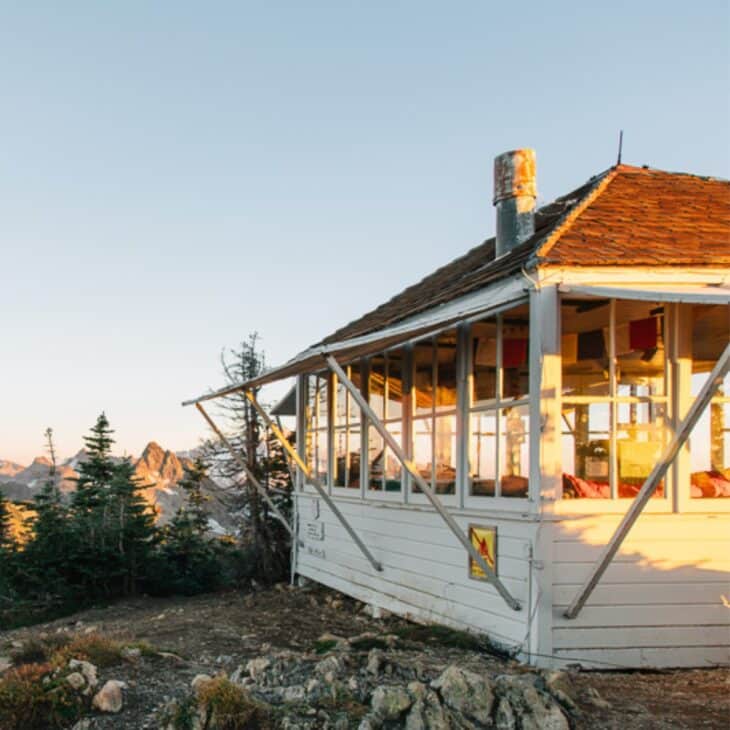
[160,471]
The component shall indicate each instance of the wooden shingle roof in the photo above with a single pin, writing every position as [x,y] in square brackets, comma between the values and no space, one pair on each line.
[626,216]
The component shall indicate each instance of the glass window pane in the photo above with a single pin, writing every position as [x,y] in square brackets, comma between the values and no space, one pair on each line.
[377,384]
[483,454]
[392,481]
[710,450]
[423,376]
[446,370]
[515,347]
[341,403]
[395,384]
[639,344]
[376,460]
[586,445]
[484,360]
[341,453]
[320,464]
[423,448]
[445,454]
[709,442]
[514,462]
[353,461]
[584,347]
[322,410]
[641,435]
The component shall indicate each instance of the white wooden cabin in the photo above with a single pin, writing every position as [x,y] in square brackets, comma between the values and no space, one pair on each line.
[535,384]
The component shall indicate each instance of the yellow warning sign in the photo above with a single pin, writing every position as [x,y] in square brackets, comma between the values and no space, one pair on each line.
[484,539]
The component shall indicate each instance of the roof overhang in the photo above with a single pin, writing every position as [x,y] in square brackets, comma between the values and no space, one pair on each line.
[490,299]
[690,294]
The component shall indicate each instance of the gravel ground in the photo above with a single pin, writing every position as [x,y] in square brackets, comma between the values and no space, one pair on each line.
[213,633]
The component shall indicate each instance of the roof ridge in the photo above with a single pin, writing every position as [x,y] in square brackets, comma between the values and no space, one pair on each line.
[644,169]
[603,180]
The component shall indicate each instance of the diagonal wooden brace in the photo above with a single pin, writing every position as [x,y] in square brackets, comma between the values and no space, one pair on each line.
[423,485]
[657,474]
[249,474]
[313,480]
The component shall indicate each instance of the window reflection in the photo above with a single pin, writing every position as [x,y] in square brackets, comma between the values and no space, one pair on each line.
[499,423]
[434,423]
[386,399]
[614,403]
[709,443]
[346,434]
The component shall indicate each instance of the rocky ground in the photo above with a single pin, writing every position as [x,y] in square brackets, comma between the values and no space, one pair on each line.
[311,658]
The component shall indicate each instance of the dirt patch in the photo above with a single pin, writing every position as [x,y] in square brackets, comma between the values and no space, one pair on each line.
[218,633]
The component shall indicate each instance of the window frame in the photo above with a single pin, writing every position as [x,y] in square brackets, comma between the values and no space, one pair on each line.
[496,407]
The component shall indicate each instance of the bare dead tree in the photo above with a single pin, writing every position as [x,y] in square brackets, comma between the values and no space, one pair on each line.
[261,532]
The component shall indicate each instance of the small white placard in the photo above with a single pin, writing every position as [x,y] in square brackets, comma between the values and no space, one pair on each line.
[315,530]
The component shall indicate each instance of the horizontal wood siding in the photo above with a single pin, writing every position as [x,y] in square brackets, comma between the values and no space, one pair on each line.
[662,602]
[424,567]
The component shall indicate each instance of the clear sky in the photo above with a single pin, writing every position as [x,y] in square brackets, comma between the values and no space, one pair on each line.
[174,175]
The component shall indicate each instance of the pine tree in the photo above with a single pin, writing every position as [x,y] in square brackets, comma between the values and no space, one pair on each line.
[44,564]
[192,483]
[132,530]
[91,551]
[189,559]
[7,542]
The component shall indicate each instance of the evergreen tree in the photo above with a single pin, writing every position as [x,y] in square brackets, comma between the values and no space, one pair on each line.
[7,543]
[92,554]
[189,559]
[131,526]
[45,565]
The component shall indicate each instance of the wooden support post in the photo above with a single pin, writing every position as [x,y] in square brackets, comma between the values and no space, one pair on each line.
[249,474]
[657,474]
[314,481]
[421,482]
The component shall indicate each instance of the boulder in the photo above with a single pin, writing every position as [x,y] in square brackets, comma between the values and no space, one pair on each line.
[390,702]
[536,709]
[426,713]
[504,718]
[109,697]
[199,681]
[466,693]
[130,653]
[256,667]
[88,670]
[76,680]
[560,686]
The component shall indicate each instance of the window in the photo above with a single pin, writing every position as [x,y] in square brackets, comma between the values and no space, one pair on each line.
[709,443]
[614,402]
[385,397]
[434,417]
[317,425]
[346,434]
[499,459]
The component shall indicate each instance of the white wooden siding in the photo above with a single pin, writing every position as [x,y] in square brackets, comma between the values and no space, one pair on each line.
[660,602]
[424,567]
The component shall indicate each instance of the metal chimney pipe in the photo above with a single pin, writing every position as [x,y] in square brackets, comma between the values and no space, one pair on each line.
[515,192]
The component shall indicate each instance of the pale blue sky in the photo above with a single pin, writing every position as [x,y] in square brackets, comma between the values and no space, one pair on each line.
[174,175]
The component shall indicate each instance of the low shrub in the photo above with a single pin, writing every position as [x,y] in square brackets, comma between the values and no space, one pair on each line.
[230,707]
[37,697]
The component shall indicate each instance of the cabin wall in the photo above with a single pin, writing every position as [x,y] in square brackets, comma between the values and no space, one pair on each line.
[425,569]
[662,601]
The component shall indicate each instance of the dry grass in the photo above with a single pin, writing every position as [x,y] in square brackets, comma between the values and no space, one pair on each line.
[101,650]
[37,697]
[230,707]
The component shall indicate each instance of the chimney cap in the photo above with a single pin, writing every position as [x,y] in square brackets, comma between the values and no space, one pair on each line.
[514,174]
